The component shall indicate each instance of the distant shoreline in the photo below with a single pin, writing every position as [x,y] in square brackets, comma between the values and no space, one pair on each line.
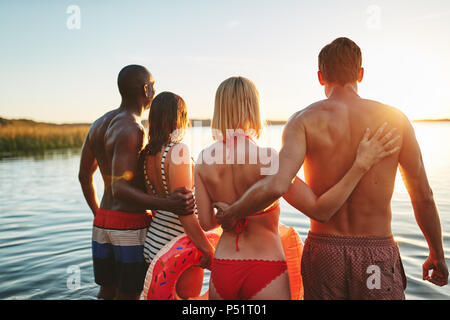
[31,123]
[23,136]
[432,120]
[203,122]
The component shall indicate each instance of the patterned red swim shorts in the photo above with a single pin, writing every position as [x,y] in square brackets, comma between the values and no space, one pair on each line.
[357,268]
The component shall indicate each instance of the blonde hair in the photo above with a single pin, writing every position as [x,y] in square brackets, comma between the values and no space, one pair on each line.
[236,107]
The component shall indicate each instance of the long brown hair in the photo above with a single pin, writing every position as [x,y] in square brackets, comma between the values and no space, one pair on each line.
[167,121]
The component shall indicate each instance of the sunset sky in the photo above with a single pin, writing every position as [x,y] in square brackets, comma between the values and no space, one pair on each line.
[50,72]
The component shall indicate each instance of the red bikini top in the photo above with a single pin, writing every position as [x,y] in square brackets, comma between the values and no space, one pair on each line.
[241,225]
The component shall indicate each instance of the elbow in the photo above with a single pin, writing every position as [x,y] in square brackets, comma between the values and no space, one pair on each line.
[424,199]
[429,196]
[277,189]
[277,192]
[322,219]
[206,223]
[321,216]
[202,224]
[206,226]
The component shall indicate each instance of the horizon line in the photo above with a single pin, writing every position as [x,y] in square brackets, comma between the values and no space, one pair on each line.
[267,121]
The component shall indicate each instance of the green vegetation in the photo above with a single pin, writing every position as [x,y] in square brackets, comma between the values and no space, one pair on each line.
[27,136]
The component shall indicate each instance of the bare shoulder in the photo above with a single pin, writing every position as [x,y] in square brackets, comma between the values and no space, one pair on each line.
[104,121]
[385,108]
[98,128]
[124,131]
[208,156]
[313,109]
[311,114]
[182,147]
[390,114]
[125,124]
[179,154]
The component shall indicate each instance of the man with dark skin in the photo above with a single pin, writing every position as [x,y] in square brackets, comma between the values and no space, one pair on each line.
[324,137]
[113,144]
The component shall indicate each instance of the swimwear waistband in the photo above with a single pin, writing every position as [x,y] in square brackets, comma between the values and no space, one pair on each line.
[118,220]
[358,241]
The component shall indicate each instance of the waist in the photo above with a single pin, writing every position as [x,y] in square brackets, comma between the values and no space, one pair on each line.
[375,223]
[241,225]
[260,243]
[119,220]
[272,208]
[338,240]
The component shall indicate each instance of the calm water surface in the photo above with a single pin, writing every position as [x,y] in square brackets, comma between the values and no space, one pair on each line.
[45,224]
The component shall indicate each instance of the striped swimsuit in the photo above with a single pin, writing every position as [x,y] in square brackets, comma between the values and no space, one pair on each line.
[165,225]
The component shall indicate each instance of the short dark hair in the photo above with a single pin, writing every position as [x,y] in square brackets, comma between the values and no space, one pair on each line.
[340,61]
[168,113]
[131,80]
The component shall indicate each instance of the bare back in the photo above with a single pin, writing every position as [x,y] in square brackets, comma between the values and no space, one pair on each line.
[334,128]
[105,134]
[227,183]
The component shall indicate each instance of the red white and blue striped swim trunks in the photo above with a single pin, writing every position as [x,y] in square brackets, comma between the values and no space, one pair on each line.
[118,249]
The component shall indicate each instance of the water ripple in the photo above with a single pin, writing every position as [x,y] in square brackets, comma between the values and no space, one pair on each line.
[45,225]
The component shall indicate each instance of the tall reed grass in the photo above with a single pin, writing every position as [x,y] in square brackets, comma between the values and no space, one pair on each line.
[23,137]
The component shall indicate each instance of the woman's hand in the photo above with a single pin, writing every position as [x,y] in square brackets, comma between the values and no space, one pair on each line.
[206,259]
[227,222]
[372,151]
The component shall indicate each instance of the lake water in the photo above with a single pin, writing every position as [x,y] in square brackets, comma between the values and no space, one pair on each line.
[45,224]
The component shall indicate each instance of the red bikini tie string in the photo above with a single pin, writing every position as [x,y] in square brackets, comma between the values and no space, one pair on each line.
[241,225]
[229,142]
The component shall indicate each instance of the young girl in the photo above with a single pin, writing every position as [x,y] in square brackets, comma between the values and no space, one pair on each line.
[168,166]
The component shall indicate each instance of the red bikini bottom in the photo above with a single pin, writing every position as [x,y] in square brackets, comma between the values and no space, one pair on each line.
[241,279]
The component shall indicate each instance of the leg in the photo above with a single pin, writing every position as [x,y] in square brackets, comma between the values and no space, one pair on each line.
[379,278]
[277,289]
[323,270]
[103,263]
[130,267]
[107,292]
[189,284]
[213,295]
[126,296]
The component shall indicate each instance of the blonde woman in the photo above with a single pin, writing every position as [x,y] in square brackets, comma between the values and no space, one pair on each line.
[249,262]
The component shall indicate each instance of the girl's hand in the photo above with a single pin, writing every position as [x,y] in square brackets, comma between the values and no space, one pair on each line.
[372,151]
[206,259]
[227,222]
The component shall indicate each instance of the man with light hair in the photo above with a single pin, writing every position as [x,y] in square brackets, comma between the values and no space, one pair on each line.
[343,254]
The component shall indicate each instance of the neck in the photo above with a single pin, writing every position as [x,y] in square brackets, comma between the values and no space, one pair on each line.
[338,90]
[236,134]
[132,106]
